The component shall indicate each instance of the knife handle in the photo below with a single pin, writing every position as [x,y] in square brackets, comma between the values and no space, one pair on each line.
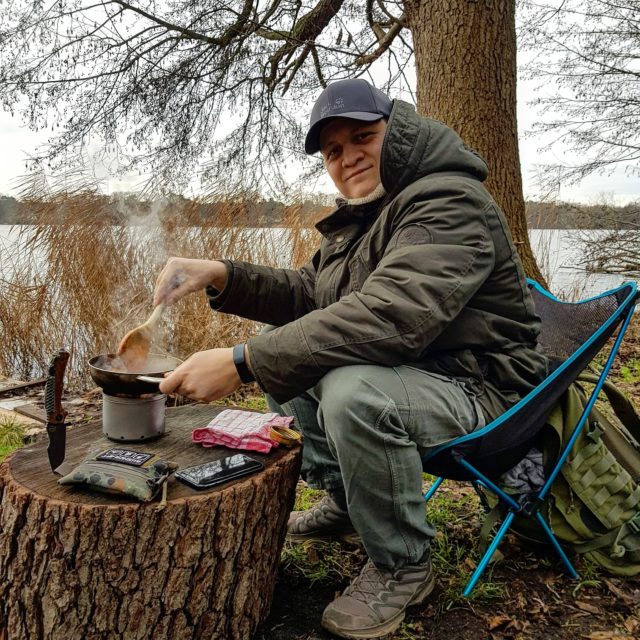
[53,387]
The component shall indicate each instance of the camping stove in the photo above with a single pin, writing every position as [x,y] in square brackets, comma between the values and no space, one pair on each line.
[133,418]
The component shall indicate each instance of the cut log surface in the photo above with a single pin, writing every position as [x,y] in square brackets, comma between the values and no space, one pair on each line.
[77,565]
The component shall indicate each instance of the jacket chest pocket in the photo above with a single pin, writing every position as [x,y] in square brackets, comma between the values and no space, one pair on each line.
[358,272]
[341,278]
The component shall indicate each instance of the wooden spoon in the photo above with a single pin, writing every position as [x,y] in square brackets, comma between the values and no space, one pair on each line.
[134,347]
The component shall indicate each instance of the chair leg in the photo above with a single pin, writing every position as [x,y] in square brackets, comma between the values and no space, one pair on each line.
[556,545]
[432,489]
[489,554]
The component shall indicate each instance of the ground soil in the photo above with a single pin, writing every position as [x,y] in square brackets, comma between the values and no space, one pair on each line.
[538,602]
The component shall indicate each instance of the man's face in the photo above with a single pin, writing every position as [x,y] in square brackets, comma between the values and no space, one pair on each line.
[351,152]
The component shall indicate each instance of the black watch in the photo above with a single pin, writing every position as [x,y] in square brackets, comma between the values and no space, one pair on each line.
[241,364]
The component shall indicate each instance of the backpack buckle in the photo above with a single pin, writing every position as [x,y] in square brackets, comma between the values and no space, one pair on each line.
[594,431]
[634,523]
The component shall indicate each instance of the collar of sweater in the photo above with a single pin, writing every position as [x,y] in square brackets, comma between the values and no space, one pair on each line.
[378,192]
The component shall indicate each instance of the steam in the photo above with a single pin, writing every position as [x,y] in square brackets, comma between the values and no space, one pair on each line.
[155,365]
[110,363]
[147,229]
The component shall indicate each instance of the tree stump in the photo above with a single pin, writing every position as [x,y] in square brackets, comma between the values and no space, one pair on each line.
[76,565]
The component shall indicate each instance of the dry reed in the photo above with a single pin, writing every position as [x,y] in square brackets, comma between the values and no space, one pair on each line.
[83,272]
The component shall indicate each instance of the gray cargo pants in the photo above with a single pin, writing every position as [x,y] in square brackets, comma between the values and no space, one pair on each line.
[365,428]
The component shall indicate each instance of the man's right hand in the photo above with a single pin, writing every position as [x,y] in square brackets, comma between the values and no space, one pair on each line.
[182,276]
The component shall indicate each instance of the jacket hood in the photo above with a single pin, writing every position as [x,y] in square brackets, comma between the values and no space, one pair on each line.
[414,147]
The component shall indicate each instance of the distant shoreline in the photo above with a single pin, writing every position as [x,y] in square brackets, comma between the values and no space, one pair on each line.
[128,210]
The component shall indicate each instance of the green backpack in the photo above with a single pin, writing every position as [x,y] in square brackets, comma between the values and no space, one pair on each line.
[594,504]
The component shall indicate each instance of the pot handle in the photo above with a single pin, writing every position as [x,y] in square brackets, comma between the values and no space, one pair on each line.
[150,379]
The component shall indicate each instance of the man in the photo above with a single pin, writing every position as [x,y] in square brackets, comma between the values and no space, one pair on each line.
[412,325]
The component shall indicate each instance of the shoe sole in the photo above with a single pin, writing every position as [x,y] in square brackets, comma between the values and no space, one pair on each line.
[389,626]
[348,536]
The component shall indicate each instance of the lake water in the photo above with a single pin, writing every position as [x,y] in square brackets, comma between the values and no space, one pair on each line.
[557,251]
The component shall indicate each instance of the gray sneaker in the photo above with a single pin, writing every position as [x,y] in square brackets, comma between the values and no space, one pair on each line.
[323,521]
[375,602]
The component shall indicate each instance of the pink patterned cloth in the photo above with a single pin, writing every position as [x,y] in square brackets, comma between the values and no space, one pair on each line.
[241,430]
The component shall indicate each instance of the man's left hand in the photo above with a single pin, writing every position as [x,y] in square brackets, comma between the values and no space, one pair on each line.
[205,376]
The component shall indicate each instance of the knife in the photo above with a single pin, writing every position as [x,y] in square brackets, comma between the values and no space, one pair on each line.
[56,427]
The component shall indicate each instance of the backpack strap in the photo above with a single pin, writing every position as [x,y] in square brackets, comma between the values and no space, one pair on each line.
[629,532]
[620,404]
[491,519]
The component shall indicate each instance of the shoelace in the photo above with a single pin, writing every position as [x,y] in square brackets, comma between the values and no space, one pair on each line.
[368,583]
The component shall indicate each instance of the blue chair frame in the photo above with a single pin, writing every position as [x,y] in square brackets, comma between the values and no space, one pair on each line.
[455,460]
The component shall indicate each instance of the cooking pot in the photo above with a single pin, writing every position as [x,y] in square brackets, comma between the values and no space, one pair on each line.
[107,373]
[133,419]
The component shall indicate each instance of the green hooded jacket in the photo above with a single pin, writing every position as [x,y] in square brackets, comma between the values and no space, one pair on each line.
[428,276]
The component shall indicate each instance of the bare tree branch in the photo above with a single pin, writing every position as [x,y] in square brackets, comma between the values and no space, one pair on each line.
[232,31]
[305,30]
[168,89]
[586,57]
[384,42]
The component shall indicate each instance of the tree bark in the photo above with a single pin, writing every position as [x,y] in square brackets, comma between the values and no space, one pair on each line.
[465,53]
[82,566]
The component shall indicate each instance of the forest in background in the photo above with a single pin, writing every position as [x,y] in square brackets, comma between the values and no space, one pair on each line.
[121,208]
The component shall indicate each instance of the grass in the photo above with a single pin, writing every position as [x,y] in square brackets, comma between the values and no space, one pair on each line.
[629,372]
[12,433]
[590,575]
[456,513]
[247,398]
[319,561]
[5,451]
[409,631]
[306,497]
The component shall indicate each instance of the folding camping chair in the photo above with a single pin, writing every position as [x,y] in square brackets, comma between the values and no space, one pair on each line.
[572,334]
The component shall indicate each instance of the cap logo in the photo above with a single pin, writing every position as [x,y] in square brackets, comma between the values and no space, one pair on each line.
[338,103]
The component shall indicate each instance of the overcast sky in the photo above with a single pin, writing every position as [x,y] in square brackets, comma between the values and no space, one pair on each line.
[18,142]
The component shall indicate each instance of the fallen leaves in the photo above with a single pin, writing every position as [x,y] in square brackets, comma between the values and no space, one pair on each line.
[632,625]
[586,606]
[493,622]
[622,595]
[506,626]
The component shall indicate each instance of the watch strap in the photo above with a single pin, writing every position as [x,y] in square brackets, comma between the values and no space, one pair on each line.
[241,365]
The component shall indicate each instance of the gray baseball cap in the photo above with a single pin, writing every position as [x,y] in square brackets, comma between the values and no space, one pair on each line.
[355,99]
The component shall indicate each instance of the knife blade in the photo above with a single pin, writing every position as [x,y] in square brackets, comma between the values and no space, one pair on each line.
[56,426]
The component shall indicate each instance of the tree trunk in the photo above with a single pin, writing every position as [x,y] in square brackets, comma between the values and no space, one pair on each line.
[465,54]
[77,565]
